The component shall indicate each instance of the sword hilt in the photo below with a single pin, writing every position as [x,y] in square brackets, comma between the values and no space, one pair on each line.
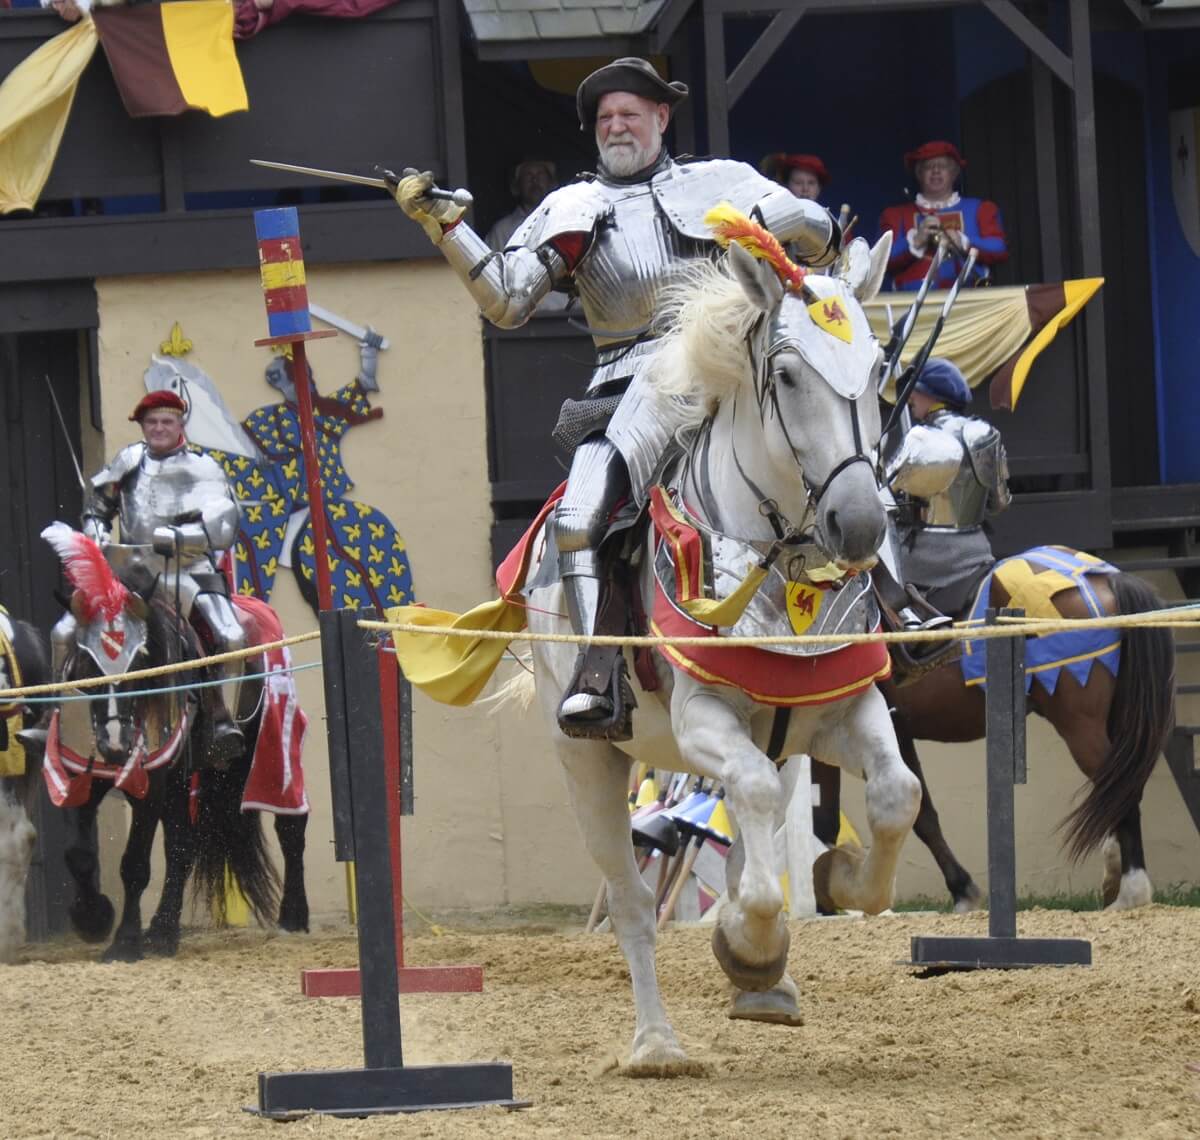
[463,198]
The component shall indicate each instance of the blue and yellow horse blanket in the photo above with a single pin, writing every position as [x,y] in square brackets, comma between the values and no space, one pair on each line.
[1032,580]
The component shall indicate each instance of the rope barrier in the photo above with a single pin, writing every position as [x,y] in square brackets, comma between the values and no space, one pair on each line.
[1182,617]
[157,671]
[132,694]
[1013,627]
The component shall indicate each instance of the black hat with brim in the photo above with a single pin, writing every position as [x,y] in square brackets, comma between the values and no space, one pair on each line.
[631,74]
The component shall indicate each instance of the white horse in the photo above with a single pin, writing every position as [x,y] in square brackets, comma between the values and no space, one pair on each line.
[786,429]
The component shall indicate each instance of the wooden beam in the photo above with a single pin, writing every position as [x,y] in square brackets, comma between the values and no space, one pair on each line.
[454,130]
[715,88]
[1032,37]
[54,249]
[1046,164]
[758,7]
[1138,11]
[761,51]
[1088,211]
[667,24]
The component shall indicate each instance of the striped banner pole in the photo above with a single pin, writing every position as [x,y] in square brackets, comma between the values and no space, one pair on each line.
[281,265]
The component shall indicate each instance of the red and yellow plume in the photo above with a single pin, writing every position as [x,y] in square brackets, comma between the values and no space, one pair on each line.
[729,224]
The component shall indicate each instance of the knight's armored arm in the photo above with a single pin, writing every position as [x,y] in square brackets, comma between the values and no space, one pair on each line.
[926,464]
[214,530]
[368,360]
[506,286]
[99,509]
[989,461]
[810,228]
[104,499]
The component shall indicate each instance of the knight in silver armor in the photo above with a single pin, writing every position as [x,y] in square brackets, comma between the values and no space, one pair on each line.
[949,474]
[613,241]
[176,506]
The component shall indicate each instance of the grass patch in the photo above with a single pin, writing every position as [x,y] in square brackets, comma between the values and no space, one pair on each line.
[1174,894]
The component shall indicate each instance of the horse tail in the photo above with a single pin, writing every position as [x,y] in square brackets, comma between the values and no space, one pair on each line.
[1139,719]
[230,842]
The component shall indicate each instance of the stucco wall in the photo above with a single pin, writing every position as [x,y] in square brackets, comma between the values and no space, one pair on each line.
[492,824]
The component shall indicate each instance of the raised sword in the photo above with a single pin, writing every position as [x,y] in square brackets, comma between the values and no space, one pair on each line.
[387,182]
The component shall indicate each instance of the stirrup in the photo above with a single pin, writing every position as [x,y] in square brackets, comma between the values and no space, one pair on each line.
[588,714]
[585,706]
[227,744]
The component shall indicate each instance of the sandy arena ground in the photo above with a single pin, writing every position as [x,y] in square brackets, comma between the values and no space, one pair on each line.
[171,1048]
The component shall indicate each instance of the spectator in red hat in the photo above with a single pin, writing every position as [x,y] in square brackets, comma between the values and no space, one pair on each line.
[939,213]
[805,175]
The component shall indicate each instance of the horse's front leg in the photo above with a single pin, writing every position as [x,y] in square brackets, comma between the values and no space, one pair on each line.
[91,911]
[751,937]
[179,844]
[135,872]
[293,905]
[597,781]
[859,737]
[928,826]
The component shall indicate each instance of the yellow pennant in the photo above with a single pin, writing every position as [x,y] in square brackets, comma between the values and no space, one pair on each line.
[803,605]
[831,316]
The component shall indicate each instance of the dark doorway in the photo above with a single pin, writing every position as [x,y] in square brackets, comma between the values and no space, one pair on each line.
[39,485]
[998,136]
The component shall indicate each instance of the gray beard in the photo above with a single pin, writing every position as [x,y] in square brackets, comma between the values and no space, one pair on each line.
[623,161]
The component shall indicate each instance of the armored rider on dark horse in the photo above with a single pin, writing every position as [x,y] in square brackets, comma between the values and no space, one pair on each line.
[176,500]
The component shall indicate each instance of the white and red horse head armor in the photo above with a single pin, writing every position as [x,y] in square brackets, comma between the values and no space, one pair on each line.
[111,632]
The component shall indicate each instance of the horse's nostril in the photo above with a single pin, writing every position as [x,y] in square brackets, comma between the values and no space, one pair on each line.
[833,528]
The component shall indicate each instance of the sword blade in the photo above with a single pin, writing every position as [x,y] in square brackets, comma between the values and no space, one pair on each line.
[348,327]
[332,175]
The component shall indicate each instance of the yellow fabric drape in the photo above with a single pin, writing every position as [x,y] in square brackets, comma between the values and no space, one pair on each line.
[35,100]
[199,38]
[728,611]
[984,329]
[453,670]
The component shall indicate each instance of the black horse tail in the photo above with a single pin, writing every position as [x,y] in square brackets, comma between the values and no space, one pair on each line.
[1141,716]
[231,840]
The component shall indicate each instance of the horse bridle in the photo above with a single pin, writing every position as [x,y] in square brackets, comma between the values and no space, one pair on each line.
[767,394]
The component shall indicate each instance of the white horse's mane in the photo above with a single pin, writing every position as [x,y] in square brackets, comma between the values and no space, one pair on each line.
[705,318]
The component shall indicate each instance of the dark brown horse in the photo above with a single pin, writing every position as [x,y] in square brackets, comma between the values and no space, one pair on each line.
[1114,727]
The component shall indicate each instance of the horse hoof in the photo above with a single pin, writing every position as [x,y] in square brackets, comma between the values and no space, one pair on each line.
[779,1005]
[123,952]
[161,943]
[293,921]
[1135,891]
[746,975]
[832,871]
[93,921]
[662,1059]
[970,900]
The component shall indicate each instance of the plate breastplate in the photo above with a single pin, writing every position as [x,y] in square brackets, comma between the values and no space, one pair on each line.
[159,490]
[636,253]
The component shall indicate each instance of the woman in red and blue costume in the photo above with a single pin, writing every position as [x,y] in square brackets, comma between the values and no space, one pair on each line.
[917,226]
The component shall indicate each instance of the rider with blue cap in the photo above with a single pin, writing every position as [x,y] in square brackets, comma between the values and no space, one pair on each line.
[949,474]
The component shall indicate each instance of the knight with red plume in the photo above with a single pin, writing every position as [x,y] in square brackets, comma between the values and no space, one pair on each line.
[177,515]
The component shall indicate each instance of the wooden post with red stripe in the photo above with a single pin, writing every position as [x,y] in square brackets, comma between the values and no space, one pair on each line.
[281,264]
[285,290]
